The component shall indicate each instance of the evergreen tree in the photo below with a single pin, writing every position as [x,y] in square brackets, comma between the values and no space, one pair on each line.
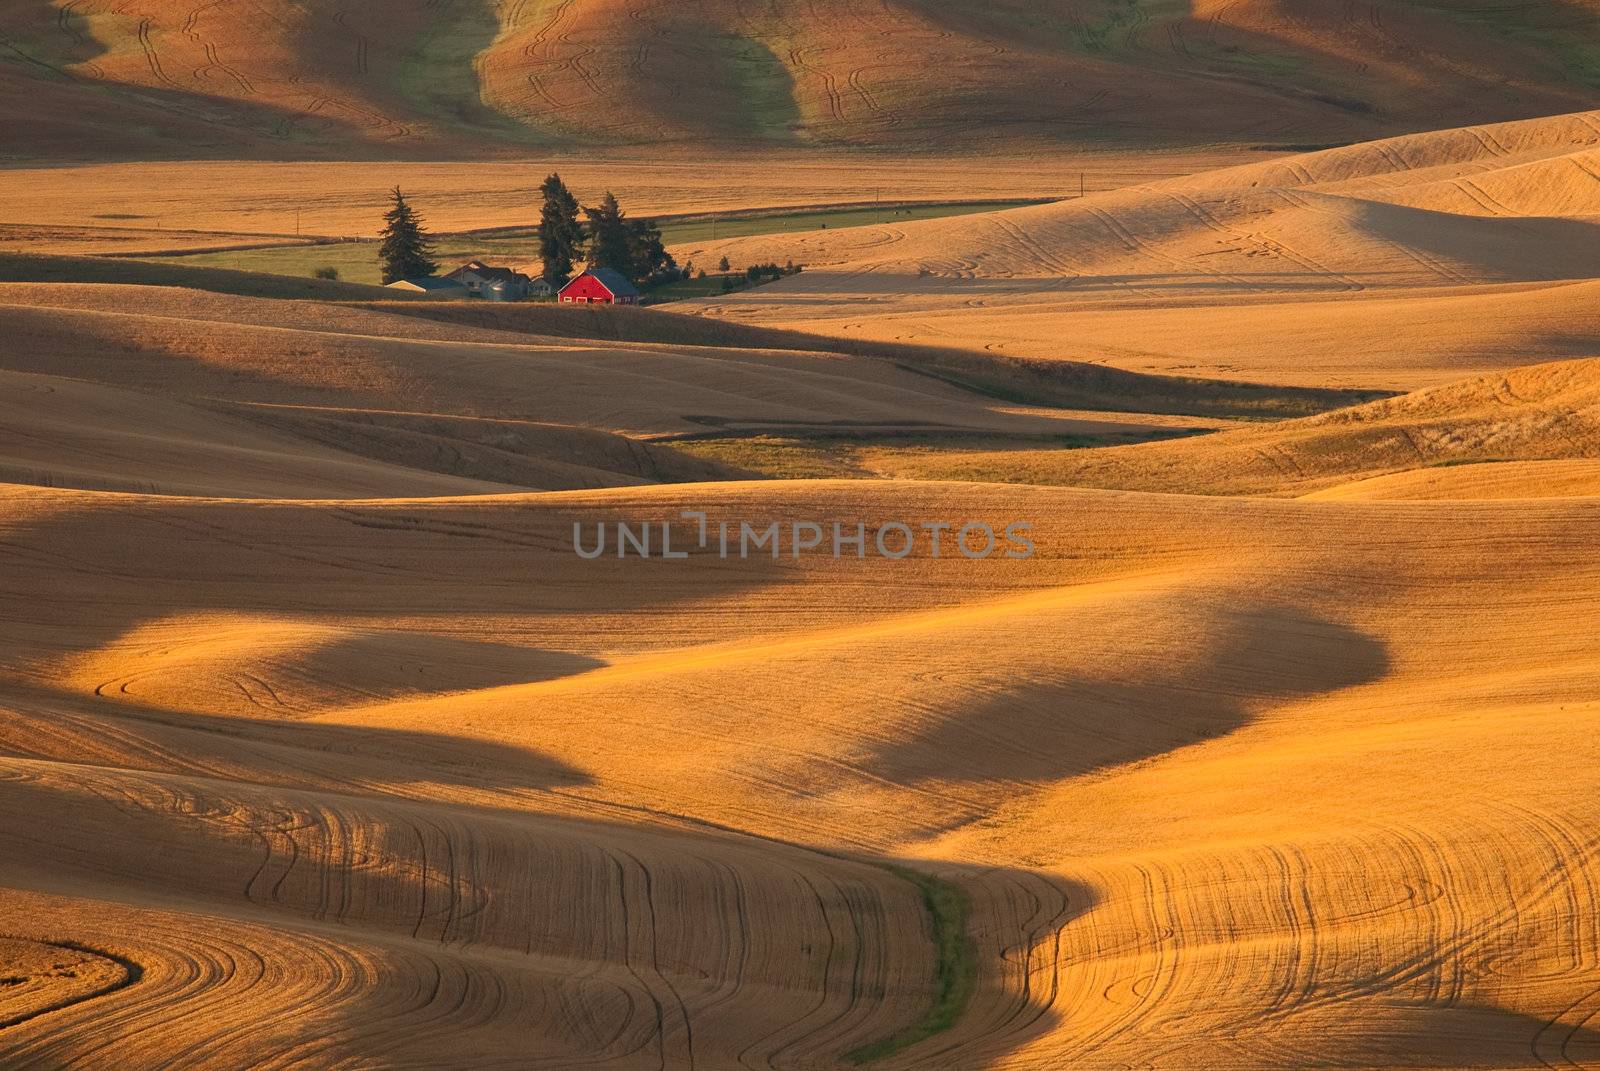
[609,237]
[560,236]
[648,258]
[406,252]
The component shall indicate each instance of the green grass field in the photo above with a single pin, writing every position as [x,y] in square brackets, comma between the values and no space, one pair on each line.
[357,261]
[956,968]
[688,289]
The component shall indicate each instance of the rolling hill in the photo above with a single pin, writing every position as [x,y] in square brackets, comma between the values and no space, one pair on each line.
[1395,264]
[262,387]
[176,78]
[333,725]
[323,745]
[1547,417]
[1290,790]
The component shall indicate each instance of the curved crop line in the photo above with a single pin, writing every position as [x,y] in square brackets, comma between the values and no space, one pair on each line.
[131,973]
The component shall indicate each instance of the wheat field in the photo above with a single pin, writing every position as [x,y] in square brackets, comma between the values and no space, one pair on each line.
[323,745]
[1204,745]
[1406,263]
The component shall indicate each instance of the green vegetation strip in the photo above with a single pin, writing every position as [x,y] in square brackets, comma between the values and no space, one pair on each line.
[357,260]
[956,968]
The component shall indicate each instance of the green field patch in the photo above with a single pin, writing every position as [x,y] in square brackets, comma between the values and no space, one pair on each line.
[751,76]
[440,75]
[689,289]
[357,261]
[711,228]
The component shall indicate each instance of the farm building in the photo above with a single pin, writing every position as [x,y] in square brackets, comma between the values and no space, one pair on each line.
[495,284]
[600,286]
[433,286]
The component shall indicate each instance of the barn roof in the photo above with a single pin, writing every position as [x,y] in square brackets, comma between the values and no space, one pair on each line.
[479,268]
[609,278]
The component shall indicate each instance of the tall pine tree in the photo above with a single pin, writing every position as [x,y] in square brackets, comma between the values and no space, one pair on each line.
[650,262]
[406,252]
[560,236]
[609,244]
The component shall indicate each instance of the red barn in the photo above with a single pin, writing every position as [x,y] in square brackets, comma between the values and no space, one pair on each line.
[600,286]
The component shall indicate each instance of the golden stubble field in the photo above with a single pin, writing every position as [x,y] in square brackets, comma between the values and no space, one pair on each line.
[1399,264]
[320,747]
[1300,753]
[255,202]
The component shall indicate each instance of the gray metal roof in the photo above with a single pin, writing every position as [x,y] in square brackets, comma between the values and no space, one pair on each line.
[614,281]
[485,271]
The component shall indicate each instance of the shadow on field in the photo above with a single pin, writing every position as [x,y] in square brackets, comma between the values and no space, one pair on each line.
[1457,1037]
[1017,378]
[64,726]
[58,46]
[79,577]
[1072,722]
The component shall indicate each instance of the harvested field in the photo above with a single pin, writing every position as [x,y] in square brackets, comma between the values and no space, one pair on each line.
[538,750]
[400,683]
[1397,264]
[347,199]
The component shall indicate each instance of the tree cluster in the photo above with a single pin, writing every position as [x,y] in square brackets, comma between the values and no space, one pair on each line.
[606,238]
[610,239]
[756,274]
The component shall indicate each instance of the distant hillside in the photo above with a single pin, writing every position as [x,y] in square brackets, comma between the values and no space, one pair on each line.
[296,78]
[1395,264]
